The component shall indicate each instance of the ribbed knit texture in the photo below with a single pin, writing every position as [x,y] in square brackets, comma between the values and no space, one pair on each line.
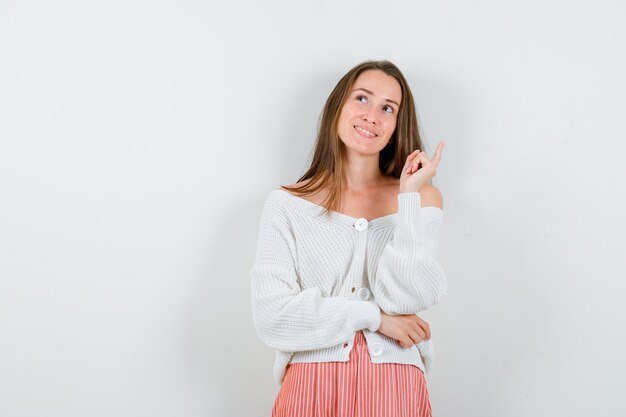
[316,281]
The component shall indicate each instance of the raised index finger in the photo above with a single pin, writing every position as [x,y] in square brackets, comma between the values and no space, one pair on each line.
[437,156]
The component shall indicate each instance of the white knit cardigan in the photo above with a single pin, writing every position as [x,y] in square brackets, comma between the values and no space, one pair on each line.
[316,281]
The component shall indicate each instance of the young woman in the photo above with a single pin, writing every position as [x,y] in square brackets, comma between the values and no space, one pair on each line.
[347,257]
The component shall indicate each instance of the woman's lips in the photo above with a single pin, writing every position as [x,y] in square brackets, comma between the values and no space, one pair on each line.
[365,132]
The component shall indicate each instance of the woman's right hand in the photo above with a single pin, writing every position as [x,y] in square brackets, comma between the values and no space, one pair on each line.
[406,329]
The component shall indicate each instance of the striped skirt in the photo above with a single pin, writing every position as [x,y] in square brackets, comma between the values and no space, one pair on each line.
[357,388]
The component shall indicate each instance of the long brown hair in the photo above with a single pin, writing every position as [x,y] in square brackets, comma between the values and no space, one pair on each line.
[326,167]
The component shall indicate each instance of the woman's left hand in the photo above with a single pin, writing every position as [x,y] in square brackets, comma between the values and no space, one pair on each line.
[413,177]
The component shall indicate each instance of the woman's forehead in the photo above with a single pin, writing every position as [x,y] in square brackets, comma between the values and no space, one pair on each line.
[379,84]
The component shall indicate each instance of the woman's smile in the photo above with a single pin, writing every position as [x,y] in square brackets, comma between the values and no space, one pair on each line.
[365,132]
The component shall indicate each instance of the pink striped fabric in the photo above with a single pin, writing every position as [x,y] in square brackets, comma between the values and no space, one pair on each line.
[357,388]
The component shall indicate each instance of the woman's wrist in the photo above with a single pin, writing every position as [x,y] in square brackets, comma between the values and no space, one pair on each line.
[407,190]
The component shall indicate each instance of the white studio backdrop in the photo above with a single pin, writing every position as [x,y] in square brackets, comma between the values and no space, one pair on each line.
[138,141]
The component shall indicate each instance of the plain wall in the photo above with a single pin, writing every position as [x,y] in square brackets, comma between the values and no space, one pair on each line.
[139,140]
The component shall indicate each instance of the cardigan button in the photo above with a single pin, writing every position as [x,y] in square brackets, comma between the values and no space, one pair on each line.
[361,224]
[363,294]
[345,345]
[377,349]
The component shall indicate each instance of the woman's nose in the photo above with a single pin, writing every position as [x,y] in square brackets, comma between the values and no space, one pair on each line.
[370,116]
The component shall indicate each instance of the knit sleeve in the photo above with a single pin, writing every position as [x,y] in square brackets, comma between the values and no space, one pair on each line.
[286,317]
[408,278]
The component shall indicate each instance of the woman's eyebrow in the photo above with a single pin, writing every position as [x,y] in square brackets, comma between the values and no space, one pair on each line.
[369,92]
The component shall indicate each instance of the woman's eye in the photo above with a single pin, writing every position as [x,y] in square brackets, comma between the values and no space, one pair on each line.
[388,109]
[361,98]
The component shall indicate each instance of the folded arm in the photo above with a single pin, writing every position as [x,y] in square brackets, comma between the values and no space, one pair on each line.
[408,277]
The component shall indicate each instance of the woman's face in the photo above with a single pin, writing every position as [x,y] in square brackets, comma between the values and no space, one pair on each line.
[368,117]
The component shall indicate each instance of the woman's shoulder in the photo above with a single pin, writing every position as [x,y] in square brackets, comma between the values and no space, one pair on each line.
[315,198]
[431,196]
[295,185]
